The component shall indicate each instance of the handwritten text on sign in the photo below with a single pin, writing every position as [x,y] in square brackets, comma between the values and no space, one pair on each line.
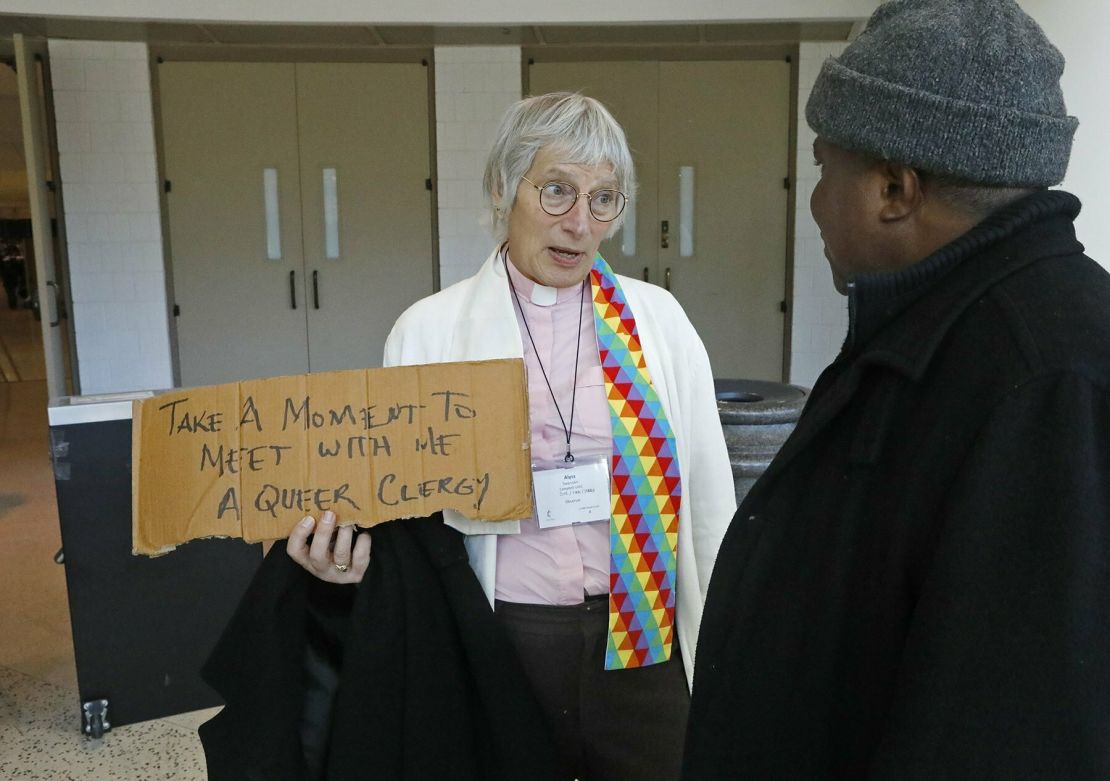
[250,459]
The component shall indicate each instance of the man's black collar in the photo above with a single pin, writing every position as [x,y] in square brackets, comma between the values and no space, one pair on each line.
[893,321]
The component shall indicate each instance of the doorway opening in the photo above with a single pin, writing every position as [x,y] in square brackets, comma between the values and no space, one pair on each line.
[23,261]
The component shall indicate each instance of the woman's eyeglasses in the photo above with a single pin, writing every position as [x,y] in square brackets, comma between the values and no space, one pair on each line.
[558,198]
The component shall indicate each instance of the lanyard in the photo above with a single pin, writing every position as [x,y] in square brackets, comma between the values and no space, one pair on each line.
[569,457]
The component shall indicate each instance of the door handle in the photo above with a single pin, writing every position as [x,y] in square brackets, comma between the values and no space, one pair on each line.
[57,310]
[664,234]
[293,289]
[667,278]
[315,289]
[646,274]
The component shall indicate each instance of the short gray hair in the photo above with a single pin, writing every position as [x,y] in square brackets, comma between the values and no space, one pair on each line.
[578,126]
[973,199]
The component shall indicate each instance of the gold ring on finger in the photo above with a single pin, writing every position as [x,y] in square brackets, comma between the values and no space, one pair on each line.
[341,567]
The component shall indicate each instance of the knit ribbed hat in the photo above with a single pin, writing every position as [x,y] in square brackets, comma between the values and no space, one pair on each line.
[964,88]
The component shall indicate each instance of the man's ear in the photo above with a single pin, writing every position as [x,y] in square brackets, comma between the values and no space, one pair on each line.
[901,191]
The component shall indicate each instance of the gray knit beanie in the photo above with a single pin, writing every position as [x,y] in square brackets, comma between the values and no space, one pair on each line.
[963,88]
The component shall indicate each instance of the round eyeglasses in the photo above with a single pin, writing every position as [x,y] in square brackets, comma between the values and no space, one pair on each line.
[558,198]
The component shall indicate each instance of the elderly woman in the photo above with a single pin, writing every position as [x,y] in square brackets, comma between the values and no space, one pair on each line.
[621,401]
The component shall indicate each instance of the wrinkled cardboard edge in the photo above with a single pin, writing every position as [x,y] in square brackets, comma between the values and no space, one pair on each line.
[136,441]
[154,552]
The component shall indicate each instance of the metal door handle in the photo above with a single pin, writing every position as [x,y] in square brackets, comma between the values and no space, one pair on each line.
[293,289]
[57,310]
[667,279]
[315,289]
[646,274]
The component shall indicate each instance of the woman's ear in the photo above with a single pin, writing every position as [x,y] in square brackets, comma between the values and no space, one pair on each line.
[901,193]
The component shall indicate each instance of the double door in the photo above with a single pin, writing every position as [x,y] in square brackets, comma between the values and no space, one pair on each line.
[300,221]
[710,141]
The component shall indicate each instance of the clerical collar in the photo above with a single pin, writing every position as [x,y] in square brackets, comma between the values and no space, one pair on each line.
[540,295]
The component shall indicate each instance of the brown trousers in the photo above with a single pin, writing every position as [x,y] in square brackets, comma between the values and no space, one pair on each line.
[613,725]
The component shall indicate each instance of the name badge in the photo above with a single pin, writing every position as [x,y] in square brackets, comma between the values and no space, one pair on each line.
[575,493]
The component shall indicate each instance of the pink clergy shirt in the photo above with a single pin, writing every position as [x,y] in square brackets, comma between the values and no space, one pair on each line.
[558,566]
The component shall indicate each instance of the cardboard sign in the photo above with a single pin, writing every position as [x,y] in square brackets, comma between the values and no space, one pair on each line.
[250,459]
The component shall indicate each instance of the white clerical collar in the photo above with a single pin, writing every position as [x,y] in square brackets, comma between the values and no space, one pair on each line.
[540,295]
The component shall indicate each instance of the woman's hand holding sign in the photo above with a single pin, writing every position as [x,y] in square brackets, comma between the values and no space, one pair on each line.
[329,554]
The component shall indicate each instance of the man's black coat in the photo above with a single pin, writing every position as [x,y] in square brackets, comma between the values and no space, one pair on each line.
[919,585]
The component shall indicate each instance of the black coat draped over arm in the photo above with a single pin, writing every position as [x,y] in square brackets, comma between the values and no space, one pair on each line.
[406,676]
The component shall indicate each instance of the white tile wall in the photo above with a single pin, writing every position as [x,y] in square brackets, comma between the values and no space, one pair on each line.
[474,86]
[110,189]
[820,319]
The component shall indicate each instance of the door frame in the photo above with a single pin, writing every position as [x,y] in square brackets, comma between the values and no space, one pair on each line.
[160,53]
[530,55]
[44,190]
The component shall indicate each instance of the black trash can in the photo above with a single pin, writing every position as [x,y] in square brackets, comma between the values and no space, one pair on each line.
[757,416]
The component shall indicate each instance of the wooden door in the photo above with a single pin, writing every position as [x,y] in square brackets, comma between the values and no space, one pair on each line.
[630,91]
[348,145]
[241,312]
[727,121]
[365,160]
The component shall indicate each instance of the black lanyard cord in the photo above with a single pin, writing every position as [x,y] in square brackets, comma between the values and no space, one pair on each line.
[569,457]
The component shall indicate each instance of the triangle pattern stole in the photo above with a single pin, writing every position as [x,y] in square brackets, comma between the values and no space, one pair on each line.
[645,485]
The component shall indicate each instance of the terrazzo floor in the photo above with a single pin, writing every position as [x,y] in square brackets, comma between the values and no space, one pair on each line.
[40,734]
[40,739]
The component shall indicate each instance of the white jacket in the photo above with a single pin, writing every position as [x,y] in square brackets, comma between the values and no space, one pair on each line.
[474,320]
